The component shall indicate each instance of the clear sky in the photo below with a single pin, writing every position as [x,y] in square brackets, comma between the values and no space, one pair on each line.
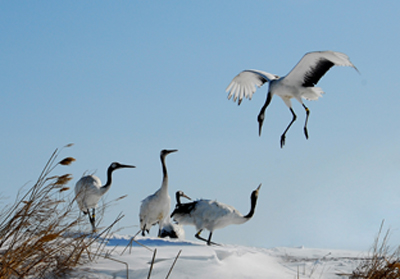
[124,80]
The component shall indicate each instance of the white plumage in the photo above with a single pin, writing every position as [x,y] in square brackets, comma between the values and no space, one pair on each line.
[298,84]
[88,191]
[156,207]
[212,215]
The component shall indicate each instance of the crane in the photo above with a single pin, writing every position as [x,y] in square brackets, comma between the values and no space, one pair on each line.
[298,84]
[212,215]
[88,191]
[155,208]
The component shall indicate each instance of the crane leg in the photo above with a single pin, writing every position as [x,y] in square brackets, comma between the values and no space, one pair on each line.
[305,125]
[92,219]
[209,242]
[209,239]
[283,137]
[197,235]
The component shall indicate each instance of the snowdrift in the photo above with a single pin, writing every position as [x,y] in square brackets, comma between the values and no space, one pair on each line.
[197,260]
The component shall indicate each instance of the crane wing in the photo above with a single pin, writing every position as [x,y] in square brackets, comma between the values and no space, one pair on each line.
[244,84]
[313,66]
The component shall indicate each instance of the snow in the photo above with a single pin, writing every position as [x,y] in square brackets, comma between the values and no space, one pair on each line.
[197,260]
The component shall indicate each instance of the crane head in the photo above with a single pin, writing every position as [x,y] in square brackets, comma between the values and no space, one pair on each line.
[260,120]
[165,152]
[180,194]
[116,165]
[257,190]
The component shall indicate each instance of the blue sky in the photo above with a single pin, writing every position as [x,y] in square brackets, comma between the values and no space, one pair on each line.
[123,80]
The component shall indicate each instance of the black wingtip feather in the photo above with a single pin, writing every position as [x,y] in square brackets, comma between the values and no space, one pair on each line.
[312,77]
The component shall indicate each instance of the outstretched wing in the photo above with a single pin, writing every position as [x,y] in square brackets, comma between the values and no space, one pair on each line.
[313,66]
[244,84]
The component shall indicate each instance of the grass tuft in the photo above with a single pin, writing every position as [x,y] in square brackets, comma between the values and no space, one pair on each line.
[37,231]
[384,262]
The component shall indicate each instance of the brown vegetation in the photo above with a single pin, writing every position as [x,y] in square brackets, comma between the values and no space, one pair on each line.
[39,231]
[383,263]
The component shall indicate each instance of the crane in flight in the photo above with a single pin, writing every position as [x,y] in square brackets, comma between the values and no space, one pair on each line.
[298,84]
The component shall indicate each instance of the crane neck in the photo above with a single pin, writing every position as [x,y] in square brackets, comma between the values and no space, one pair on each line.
[253,199]
[178,199]
[106,186]
[266,104]
[165,174]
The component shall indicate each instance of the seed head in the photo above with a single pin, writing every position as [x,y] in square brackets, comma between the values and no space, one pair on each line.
[67,161]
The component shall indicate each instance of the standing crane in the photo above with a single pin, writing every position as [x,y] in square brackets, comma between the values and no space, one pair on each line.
[88,191]
[212,215]
[155,208]
[298,84]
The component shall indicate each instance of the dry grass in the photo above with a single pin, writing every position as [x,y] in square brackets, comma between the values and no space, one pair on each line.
[383,264]
[37,236]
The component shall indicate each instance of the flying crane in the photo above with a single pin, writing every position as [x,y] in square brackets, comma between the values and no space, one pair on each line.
[298,84]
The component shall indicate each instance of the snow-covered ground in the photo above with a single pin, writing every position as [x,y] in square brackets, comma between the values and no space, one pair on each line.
[197,260]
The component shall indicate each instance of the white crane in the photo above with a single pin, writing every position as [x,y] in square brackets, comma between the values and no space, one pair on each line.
[298,84]
[88,191]
[212,215]
[155,208]
[172,229]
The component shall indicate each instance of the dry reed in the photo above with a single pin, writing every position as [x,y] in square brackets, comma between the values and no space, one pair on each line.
[37,236]
[383,263]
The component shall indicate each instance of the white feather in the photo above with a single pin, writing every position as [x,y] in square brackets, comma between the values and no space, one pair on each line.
[88,193]
[211,215]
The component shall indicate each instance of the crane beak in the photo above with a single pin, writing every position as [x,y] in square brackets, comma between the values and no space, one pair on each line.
[127,166]
[254,194]
[183,195]
[172,150]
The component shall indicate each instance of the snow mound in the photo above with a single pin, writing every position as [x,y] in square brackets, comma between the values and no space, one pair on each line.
[197,260]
